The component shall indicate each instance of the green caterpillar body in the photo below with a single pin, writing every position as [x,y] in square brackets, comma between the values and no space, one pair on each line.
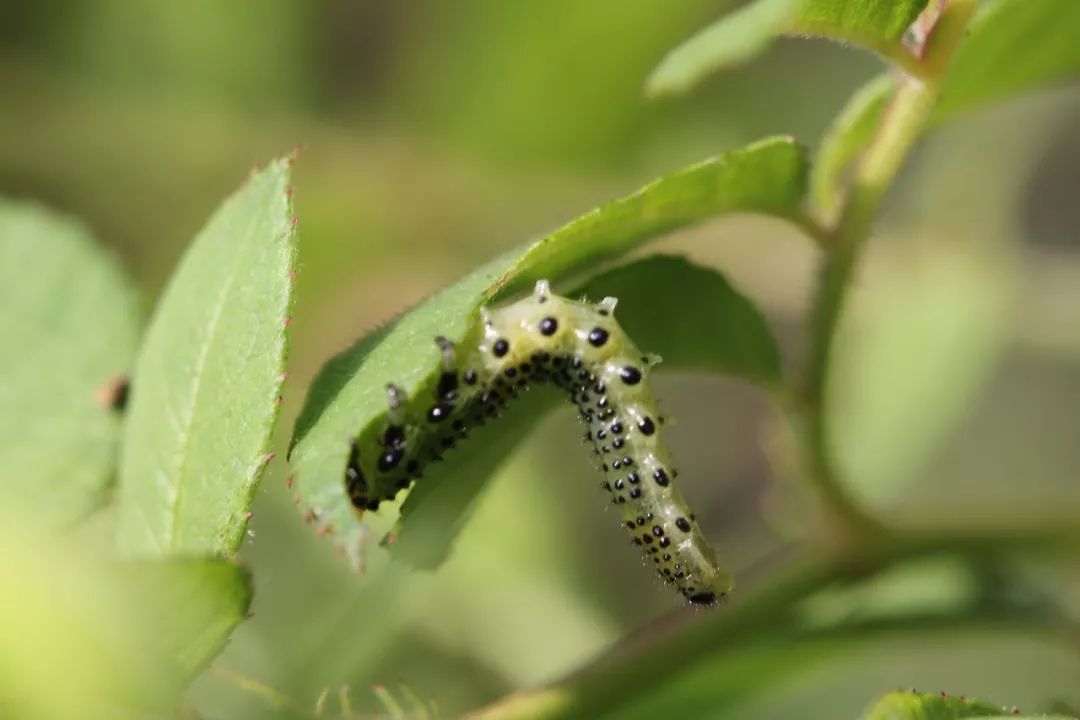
[580,348]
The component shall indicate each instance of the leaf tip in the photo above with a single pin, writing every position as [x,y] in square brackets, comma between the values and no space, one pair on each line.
[662,83]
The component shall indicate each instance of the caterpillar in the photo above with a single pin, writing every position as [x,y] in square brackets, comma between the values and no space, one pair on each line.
[580,348]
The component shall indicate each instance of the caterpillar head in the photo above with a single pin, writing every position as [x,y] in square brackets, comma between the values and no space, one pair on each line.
[546,323]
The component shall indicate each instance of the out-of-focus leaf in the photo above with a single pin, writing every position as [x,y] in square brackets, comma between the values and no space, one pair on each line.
[81,636]
[206,386]
[508,55]
[733,39]
[725,663]
[188,607]
[847,136]
[1062,708]
[911,358]
[688,314]
[928,706]
[767,177]
[68,332]
[935,586]
[747,32]
[872,24]
[1013,46]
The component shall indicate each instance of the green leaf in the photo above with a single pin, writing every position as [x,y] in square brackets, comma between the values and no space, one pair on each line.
[69,323]
[207,381]
[188,607]
[349,395]
[688,314]
[767,177]
[691,316]
[871,24]
[750,30]
[1013,46]
[928,706]
[918,347]
[86,637]
[849,133]
[733,39]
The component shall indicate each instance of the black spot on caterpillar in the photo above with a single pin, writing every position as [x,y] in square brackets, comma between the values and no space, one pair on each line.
[580,348]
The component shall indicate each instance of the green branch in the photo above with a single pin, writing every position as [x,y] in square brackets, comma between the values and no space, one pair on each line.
[901,125]
[770,614]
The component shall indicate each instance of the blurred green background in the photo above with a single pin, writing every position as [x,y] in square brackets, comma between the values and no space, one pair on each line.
[436,135]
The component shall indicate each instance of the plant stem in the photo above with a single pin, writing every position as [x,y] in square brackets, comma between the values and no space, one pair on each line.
[609,681]
[771,613]
[903,122]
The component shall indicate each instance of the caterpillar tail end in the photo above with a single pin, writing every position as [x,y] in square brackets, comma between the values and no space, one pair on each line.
[720,588]
[713,582]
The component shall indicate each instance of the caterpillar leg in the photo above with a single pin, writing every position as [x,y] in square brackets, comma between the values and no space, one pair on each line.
[394,438]
[448,380]
[355,484]
[396,399]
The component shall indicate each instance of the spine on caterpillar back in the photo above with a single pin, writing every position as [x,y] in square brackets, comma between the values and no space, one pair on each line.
[580,348]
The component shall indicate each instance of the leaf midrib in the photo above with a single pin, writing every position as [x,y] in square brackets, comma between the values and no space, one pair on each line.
[196,387]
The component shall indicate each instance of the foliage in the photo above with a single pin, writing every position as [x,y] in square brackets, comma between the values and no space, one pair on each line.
[75,320]
[928,706]
[208,380]
[129,628]
[125,638]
